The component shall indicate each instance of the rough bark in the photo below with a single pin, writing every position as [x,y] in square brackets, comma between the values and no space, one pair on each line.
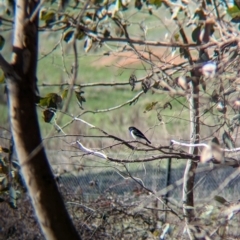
[46,198]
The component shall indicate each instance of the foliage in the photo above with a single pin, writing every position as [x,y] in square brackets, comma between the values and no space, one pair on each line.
[196,72]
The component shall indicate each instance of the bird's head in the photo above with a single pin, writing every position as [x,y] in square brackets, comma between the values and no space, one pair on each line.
[131,128]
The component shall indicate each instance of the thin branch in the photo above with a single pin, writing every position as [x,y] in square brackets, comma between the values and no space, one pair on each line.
[36,11]
[89,151]
[203,145]
[97,84]
[8,69]
[116,107]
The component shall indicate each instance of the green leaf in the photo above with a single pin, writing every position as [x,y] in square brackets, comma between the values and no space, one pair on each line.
[220,199]
[2,76]
[47,15]
[80,35]
[64,93]
[176,37]
[156,3]
[79,96]
[118,5]
[196,33]
[150,106]
[234,11]
[43,102]
[68,36]
[2,41]
[52,100]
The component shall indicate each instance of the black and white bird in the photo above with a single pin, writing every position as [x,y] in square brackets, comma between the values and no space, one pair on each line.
[137,134]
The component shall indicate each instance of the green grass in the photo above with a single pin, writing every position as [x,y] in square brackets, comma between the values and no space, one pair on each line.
[91,70]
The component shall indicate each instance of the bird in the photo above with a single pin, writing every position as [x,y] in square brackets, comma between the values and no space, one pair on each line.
[137,134]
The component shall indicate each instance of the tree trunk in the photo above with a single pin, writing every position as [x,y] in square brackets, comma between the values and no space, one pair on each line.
[21,83]
[190,170]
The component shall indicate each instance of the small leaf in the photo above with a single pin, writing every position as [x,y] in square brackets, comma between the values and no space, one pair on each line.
[48,115]
[80,98]
[132,81]
[3,166]
[2,41]
[215,141]
[196,34]
[220,199]
[88,44]
[138,4]
[159,117]
[156,3]
[167,104]
[47,15]
[118,5]
[215,96]
[68,36]
[3,182]
[203,84]
[2,76]
[13,198]
[52,100]
[146,85]
[150,106]
[2,149]
[176,37]
[156,85]
[234,12]
[43,102]
[183,52]
[133,102]
[228,141]
[125,4]
[64,93]
[106,33]
[57,100]
[217,153]
[221,88]
[200,14]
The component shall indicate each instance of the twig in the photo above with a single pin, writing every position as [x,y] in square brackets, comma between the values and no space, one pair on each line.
[203,145]
[89,151]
